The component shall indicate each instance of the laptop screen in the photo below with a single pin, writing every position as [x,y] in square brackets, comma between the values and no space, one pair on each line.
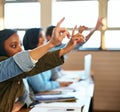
[87,65]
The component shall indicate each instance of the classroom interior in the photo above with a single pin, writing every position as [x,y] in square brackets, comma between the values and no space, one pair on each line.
[105,53]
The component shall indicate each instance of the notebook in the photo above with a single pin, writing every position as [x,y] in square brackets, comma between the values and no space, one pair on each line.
[55,98]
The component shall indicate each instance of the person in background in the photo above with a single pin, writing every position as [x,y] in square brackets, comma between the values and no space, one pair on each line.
[38,60]
[41,82]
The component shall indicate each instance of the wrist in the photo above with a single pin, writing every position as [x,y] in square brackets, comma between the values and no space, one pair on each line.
[61,52]
[50,45]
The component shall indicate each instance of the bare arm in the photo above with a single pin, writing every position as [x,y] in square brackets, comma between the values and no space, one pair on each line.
[97,26]
[58,35]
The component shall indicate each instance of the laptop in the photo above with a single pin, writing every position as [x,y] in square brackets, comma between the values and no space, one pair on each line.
[87,66]
[76,75]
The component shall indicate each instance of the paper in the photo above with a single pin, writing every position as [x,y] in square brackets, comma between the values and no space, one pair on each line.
[37,109]
[57,107]
[71,75]
[61,105]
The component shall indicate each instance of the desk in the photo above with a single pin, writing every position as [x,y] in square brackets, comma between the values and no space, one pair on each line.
[84,90]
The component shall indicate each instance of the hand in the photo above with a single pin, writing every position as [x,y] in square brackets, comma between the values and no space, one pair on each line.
[99,23]
[59,33]
[75,39]
[82,38]
[17,106]
[64,84]
[97,26]
[82,28]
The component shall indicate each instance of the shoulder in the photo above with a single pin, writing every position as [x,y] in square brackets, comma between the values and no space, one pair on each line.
[2,58]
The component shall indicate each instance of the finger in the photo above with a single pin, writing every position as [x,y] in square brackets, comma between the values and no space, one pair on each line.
[79,37]
[62,29]
[64,35]
[74,30]
[59,23]
[64,32]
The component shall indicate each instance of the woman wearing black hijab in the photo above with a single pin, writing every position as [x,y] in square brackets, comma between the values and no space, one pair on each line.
[41,82]
[33,38]
[13,88]
[4,35]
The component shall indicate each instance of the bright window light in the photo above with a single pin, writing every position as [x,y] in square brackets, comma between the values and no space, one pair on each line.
[75,12]
[112,40]
[113,13]
[78,13]
[22,15]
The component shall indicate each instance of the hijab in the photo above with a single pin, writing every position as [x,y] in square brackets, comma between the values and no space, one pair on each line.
[31,38]
[4,35]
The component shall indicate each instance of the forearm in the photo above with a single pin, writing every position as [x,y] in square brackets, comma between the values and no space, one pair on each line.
[97,26]
[90,34]
[37,53]
[49,61]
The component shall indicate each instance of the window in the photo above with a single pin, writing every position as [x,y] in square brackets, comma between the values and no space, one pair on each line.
[75,12]
[23,14]
[93,43]
[112,35]
[78,13]
[113,13]
[19,19]
[86,12]
[112,40]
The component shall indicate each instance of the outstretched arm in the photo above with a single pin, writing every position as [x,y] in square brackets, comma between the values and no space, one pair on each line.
[83,28]
[97,26]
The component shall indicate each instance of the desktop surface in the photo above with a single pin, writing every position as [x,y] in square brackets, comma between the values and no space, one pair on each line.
[83,87]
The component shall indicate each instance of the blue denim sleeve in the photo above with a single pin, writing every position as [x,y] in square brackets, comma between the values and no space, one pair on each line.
[24,61]
[8,69]
[13,66]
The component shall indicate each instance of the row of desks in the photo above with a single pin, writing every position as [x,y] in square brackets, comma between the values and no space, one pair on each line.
[84,91]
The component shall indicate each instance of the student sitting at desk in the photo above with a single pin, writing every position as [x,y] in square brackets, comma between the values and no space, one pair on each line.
[41,82]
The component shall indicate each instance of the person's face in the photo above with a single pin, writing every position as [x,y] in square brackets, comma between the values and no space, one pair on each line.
[48,37]
[12,45]
[41,39]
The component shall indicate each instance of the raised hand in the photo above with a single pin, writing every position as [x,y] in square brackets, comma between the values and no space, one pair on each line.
[59,33]
[74,40]
[99,23]
[82,28]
